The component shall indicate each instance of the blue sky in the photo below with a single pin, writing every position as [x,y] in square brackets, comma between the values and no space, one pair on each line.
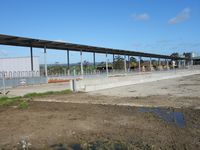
[154,26]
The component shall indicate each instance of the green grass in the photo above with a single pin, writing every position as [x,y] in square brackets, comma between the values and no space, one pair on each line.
[6,101]
[31,95]
[23,102]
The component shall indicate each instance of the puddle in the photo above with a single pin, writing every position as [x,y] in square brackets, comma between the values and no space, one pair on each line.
[76,147]
[65,147]
[168,116]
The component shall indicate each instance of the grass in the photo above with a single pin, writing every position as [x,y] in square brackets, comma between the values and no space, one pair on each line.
[31,95]
[6,101]
[23,102]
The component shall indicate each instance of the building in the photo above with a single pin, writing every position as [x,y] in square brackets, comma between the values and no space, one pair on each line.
[19,67]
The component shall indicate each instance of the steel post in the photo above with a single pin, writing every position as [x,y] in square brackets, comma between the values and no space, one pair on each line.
[139,64]
[31,52]
[125,69]
[45,61]
[107,64]
[81,54]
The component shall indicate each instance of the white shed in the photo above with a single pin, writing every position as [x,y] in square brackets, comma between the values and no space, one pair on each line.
[19,66]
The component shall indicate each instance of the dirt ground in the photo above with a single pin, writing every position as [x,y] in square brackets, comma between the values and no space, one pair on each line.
[94,121]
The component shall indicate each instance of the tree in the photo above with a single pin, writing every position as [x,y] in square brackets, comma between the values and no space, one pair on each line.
[133,62]
[187,55]
[118,62]
[85,64]
[175,55]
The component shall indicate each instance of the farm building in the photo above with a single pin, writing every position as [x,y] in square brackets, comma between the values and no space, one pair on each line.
[19,66]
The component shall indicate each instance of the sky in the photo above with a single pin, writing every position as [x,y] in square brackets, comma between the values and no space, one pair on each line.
[153,26]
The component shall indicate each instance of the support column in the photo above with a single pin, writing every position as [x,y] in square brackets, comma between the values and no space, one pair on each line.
[68,60]
[31,51]
[150,64]
[179,64]
[184,63]
[45,61]
[94,61]
[167,64]
[192,62]
[139,64]
[113,62]
[129,64]
[81,54]
[107,64]
[159,63]
[125,69]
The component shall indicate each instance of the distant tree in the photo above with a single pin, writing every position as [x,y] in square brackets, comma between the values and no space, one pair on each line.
[85,64]
[118,62]
[175,55]
[133,62]
[187,55]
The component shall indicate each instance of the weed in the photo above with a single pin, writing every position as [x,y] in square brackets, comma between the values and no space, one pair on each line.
[23,104]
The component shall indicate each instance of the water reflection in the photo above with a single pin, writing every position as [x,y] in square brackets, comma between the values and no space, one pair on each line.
[168,116]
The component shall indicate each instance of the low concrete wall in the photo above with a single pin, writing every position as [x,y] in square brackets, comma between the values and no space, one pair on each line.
[94,84]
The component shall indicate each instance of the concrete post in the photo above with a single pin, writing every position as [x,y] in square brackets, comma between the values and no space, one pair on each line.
[107,64]
[139,64]
[73,85]
[45,61]
[125,69]
[81,54]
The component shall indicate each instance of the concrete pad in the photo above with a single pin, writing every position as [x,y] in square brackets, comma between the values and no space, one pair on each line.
[95,84]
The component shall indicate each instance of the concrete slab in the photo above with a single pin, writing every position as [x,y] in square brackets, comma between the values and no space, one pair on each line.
[88,85]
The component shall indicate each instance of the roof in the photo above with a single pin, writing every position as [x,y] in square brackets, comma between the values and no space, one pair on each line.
[38,43]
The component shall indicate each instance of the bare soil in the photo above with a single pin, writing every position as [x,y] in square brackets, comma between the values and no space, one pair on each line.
[50,125]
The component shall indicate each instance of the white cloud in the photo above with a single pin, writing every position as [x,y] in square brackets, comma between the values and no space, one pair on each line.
[182,16]
[141,17]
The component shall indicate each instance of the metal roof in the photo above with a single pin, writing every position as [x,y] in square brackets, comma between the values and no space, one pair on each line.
[38,43]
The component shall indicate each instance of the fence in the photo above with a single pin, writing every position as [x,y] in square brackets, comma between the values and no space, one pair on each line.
[14,82]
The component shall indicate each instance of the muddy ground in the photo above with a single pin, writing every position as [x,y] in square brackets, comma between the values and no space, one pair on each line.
[86,121]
